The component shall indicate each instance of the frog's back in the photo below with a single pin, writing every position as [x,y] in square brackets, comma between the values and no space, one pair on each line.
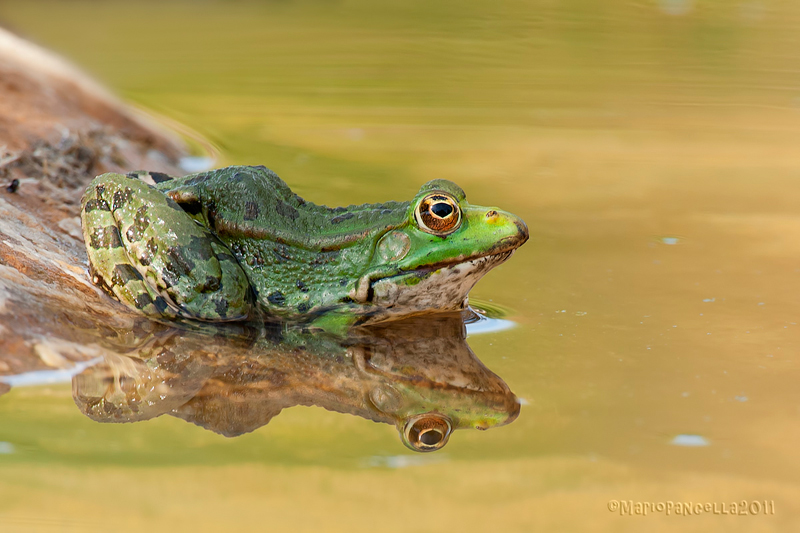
[241,202]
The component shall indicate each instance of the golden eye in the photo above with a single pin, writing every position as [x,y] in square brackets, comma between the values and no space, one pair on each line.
[428,432]
[438,213]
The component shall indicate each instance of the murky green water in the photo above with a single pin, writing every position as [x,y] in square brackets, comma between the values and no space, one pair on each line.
[652,148]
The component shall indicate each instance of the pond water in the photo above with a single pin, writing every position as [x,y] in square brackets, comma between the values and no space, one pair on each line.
[651,147]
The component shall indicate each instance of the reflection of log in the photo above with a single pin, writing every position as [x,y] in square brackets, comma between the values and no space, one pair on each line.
[4,388]
[57,130]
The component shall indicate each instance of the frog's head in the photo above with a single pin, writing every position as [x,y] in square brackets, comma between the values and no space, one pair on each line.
[443,248]
[426,414]
[422,375]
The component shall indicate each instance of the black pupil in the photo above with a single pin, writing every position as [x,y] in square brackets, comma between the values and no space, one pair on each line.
[441,209]
[430,438]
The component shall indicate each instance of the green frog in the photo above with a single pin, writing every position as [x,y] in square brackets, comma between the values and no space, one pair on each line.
[224,244]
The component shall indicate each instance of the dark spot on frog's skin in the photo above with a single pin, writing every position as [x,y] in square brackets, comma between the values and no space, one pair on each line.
[303,307]
[99,190]
[121,198]
[276,298]
[251,210]
[152,247]
[338,210]
[136,231]
[106,237]
[142,301]
[13,186]
[221,307]
[301,286]
[160,177]
[199,247]
[144,260]
[212,284]
[342,218]
[386,212]
[286,211]
[239,176]
[176,267]
[346,300]
[299,200]
[122,274]
[100,281]
[343,282]
[183,265]
[100,204]
[160,303]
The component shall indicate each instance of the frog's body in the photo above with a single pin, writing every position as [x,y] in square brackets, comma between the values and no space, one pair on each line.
[216,245]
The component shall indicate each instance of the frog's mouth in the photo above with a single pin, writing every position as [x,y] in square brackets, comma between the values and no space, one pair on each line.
[437,287]
[457,275]
[495,258]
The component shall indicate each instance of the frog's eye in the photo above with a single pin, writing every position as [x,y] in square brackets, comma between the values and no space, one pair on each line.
[427,432]
[438,213]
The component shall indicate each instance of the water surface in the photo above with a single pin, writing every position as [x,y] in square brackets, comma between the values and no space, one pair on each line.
[651,147]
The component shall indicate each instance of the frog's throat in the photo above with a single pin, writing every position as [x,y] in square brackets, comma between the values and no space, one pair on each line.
[361,292]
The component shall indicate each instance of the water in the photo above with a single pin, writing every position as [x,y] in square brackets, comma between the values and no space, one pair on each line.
[651,147]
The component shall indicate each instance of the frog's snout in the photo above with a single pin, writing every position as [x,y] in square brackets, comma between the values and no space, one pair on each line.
[522,228]
[511,230]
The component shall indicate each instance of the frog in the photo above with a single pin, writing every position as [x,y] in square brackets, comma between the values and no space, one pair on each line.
[232,243]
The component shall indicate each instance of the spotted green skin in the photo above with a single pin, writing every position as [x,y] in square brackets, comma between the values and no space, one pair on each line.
[223,244]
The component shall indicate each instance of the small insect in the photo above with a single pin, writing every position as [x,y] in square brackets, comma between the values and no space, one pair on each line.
[13,186]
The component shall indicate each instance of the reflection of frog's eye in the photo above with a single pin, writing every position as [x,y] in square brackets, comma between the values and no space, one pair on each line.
[438,213]
[428,432]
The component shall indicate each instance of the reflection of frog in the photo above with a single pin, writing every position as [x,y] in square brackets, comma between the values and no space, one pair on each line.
[211,245]
[419,375]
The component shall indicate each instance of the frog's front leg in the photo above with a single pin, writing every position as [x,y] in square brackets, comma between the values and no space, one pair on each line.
[150,254]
